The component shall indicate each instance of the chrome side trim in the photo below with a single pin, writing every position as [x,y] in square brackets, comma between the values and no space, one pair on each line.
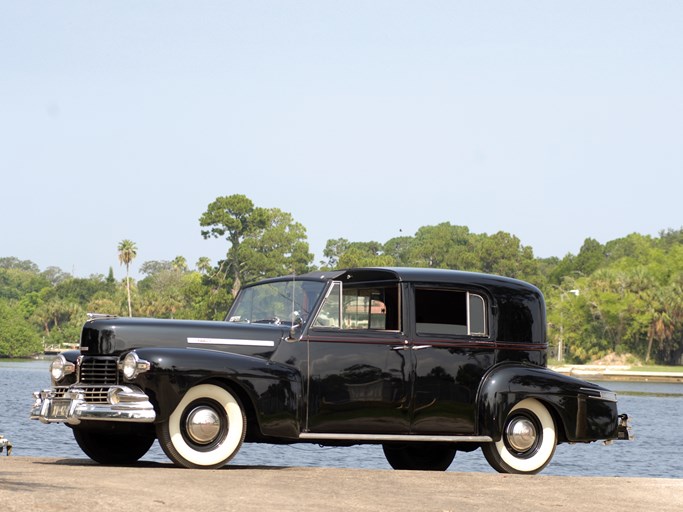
[242,343]
[396,437]
[607,396]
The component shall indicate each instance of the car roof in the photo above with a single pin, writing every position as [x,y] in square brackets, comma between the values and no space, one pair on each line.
[415,274]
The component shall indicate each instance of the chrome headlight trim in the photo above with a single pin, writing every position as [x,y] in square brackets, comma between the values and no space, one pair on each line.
[131,366]
[60,368]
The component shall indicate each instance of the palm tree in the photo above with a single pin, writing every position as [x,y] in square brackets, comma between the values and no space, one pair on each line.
[127,253]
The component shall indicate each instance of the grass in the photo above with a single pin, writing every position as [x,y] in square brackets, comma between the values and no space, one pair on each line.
[656,368]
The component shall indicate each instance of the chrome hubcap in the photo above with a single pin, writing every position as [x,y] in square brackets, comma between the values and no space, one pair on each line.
[521,434]
[203,425]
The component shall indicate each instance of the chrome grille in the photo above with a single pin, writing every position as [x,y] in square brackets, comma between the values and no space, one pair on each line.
[58,391]
[91,394]
[99,371]
[95,395]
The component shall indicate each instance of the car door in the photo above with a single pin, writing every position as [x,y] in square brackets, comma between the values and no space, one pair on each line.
[451,350]
[358,365]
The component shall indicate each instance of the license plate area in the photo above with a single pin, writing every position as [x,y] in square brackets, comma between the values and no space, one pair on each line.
[59,409]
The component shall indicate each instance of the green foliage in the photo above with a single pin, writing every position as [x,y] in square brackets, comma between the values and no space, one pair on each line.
[632,302]
[15,263]
[262,242]
[341,253]
[15,283]
[17,337]
[624,296]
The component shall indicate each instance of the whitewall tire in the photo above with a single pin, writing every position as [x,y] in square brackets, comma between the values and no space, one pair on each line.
[205,430]
[528,440]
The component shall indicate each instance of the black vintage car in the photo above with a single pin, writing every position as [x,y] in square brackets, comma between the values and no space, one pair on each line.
[423,362]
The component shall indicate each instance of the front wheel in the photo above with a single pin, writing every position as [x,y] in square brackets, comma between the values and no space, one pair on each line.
[205,430]
[114,444]
[528,440]
[419,456]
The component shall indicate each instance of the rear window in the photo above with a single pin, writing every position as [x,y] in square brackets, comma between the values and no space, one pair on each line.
[450,312]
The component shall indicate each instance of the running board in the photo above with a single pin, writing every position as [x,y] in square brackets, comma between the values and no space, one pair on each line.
[395,437]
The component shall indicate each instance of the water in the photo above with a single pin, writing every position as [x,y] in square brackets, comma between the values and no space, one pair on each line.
[656,409]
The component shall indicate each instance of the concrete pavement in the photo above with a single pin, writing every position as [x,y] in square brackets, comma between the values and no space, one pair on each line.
[42,484]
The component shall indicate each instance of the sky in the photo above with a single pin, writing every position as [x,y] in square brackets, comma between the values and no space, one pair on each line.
[553,121]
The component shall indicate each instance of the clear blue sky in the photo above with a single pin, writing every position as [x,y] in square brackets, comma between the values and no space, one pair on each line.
[554,121]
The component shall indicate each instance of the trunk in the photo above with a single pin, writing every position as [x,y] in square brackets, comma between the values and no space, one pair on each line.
[650,339]
[130,309]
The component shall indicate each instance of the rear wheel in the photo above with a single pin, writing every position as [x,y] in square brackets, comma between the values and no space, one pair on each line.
[528,440]
[114,444]
[205,430]
[419,456]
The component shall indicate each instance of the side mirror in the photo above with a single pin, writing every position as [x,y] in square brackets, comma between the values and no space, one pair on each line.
[297,327]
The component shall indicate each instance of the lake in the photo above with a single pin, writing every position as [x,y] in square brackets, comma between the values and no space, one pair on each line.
[656,411]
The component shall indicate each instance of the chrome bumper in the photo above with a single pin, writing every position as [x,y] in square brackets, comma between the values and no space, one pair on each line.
[624,429]
[4,443]
[124,403]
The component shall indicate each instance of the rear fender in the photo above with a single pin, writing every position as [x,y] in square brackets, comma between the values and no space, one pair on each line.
[584,411]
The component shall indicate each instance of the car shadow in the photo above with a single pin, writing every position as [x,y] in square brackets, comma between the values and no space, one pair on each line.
[147,464]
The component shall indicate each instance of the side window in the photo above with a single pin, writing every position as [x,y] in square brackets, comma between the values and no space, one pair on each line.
[330,312]
[450,312]
[477,315]
[362,308]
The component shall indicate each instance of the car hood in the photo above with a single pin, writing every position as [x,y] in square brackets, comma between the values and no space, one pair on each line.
[114,335]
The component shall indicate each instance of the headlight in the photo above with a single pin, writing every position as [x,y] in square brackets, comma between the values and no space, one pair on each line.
[132,366]
[60,368]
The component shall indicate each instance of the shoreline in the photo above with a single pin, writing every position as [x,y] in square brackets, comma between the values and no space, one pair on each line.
[616,373]
[65,484]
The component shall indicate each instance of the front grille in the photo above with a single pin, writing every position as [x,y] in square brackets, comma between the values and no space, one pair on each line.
[99,371]
[91,394]
[58,391]
[95,395]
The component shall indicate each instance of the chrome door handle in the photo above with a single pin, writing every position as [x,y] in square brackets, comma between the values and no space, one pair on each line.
[420,347]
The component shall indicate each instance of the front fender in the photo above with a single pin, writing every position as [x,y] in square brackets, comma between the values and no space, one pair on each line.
[271,391]
[584,411]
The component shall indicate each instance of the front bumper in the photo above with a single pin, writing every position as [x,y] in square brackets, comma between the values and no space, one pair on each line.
[624,429]
[75,404]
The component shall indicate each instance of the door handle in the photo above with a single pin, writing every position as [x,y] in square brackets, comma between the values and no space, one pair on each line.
[420,347]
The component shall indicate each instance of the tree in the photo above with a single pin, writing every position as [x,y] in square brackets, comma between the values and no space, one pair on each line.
[444,246]
[504,254]
[17,338]
[149,268]
[12,262]
[15,283]
[203,265]
[110,278]
[263,242]
[179,264]
[399,248]
[127,253]
[341,253]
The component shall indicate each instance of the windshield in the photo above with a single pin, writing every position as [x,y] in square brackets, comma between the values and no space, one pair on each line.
[278,302]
